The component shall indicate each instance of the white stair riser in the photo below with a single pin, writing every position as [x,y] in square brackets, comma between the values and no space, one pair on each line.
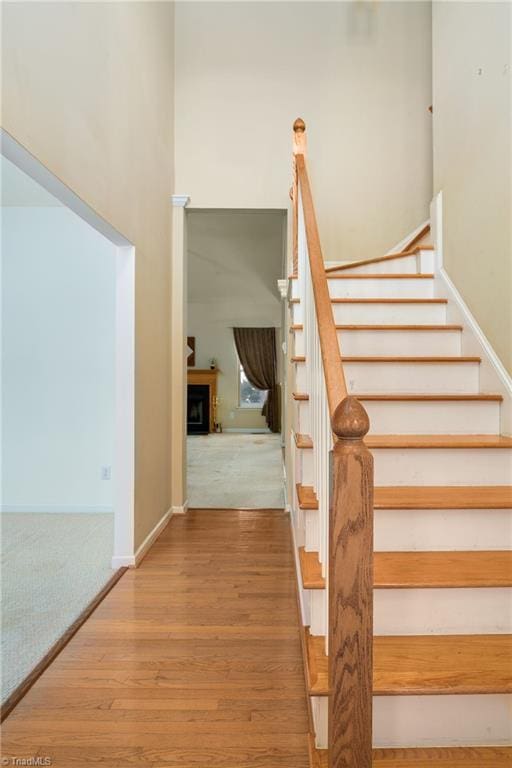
[422,262]
[381,288]
[355,343]
[408,265]
[300,378]
[317,611]
[370,343]
[406,530]
[382,314]
[431,721]
[298,343]
[306,471]
[431,417]
[442,466]
[403,378]
[442,611]
[424,721]
[302,422]
[388,314]
[312,529]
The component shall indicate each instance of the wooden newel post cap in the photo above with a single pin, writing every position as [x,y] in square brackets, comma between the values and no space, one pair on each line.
[299,125]
[350,420]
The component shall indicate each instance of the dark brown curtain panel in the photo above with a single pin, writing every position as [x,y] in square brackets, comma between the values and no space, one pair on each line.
[256,349]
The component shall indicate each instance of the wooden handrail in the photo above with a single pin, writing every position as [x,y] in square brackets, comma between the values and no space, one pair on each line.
[350,513]
[329,345]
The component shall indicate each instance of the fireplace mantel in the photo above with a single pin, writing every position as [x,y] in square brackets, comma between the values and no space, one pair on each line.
[209,377]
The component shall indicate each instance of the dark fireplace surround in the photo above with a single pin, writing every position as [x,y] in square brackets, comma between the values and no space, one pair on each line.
[198,409]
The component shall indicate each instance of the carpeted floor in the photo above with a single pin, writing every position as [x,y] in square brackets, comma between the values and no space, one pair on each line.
[53,565]
[234,471]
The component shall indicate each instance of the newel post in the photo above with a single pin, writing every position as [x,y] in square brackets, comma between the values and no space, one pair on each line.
[299,148]
[350,590]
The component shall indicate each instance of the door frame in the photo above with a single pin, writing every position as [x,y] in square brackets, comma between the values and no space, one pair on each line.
[124,418]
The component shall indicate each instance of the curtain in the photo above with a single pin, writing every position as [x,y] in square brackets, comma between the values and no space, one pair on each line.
[256,349]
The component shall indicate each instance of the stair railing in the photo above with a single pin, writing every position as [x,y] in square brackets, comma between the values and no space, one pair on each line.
[343,472]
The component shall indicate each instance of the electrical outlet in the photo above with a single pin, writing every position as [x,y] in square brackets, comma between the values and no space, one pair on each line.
[106,472]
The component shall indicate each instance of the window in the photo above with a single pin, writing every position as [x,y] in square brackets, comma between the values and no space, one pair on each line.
[250,397]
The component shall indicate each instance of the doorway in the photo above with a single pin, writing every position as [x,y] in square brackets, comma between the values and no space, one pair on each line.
[234,259]
[67,405]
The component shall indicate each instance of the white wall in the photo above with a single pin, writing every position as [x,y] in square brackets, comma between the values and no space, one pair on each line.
[359,73]
[234,261]
[472,158]
[58,326]
[88,88]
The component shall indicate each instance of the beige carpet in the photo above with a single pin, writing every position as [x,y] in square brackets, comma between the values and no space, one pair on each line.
[234,471]
[53,565]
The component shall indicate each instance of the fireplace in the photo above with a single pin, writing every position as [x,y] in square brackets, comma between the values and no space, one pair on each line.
[198,409]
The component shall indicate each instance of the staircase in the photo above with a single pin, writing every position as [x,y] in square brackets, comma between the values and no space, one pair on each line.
[376,340]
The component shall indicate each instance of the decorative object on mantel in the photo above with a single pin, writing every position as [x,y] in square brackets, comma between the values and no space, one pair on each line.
[217,426]
[191,351]
[213,364]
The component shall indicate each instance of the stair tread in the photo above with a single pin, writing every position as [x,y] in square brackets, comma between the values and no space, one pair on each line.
[412,665]
[426,757]
[300,396]
[442,569]
[303,441]
[410,359]
[429,396]
[307,496]
[443,497]
[382,276]
[381,301]
[406,359]
[438,441]
[311,570]
[390,327]
[425,570]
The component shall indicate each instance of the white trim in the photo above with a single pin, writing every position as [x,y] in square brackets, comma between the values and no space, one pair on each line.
[180,201]
[180,510]
[401,245]
[124,434]
[124,454]
[249,430]
[30,165]
[72,509]
[178,353]
[132,561]
[436,227]
[493,375]
[282,287]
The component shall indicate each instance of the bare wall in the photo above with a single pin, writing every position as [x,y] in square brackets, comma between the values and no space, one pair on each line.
[358,73]
[88,89]
[472,158]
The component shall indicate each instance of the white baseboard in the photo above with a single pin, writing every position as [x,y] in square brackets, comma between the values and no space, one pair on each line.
[123,561]
[56,509]
[494,377]
[180,510]
[132,561]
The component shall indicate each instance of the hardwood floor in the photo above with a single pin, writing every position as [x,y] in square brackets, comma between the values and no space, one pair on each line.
[194,659]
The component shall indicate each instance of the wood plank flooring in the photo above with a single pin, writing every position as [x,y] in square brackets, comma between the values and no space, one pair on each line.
[194,659]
